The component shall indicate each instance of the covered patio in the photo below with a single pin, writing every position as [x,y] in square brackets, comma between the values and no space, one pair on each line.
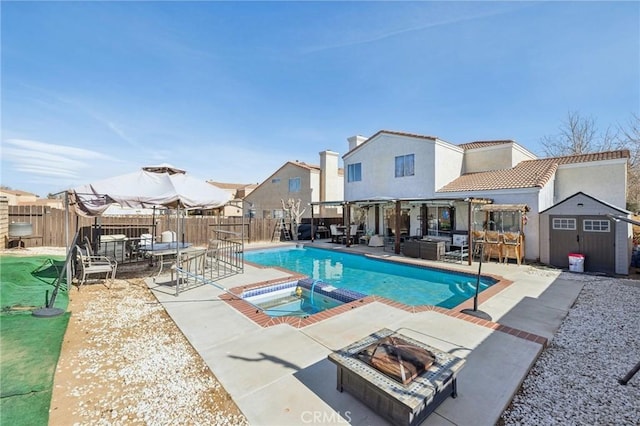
[396,221]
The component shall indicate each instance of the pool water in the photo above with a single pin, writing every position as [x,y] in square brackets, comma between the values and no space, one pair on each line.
[407,284]
[293,304]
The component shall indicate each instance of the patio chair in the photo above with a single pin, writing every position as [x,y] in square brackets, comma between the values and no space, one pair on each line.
[352,238]
[336,235]
[212,260]
[492,245]
[94,265]
[512,245]
[477,238]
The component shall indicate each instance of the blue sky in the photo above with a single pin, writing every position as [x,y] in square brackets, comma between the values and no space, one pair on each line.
[230,91]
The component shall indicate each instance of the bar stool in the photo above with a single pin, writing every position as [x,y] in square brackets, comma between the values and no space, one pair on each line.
[477,239]
[512,246]
[492,245]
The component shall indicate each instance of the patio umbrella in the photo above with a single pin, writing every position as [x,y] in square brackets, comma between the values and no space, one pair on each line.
[152,186]
[162,185]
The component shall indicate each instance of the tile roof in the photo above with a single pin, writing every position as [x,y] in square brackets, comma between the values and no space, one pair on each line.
[226,185]
[595,156]
[483,144]
[304,165]
[526,174]
[533,174]
[390,132]
[17,192]
[411,135]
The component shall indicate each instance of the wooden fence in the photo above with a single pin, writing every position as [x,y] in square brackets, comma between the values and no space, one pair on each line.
[49,226]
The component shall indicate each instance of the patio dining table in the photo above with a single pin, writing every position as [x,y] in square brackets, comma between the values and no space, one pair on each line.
[165,253]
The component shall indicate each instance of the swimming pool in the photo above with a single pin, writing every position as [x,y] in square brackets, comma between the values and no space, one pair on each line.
[407,284]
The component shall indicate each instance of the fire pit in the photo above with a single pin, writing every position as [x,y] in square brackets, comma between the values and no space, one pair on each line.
[399,378]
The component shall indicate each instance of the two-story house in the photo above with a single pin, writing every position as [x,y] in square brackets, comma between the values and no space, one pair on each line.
[415,185]
[300,181]
[238,192]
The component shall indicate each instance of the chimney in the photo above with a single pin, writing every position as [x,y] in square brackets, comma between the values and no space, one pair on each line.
[329,181]
[354,141]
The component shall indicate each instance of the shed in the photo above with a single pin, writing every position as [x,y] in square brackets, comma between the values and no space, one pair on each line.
[580,224]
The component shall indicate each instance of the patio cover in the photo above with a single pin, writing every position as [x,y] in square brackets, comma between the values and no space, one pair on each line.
[162,185]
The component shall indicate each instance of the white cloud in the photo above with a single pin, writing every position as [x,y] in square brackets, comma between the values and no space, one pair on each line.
[49,160]
[368,37]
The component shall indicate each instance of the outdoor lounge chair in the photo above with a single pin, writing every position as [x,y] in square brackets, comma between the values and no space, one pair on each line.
[94,265]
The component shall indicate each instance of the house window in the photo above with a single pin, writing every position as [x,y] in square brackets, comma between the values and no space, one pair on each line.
[275,180]
[354,172]
[564,223]
[294,184]
[405,165]
[595,225]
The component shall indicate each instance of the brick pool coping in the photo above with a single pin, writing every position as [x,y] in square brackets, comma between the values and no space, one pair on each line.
[256,315]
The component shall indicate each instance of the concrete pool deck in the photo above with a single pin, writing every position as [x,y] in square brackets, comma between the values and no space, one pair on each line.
[280,375]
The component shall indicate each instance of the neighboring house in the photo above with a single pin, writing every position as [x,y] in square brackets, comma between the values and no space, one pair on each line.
[238,192]
[23,198]
[421,185]
[16,198]
[299,181]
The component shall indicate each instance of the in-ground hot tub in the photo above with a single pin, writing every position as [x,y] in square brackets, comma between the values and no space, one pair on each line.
[405,392]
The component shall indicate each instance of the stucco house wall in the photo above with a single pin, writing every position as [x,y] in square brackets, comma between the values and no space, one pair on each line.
[603,180]
[495,157]
[268,195]
[316,183]
[331,186]
[448,165]
[436,162]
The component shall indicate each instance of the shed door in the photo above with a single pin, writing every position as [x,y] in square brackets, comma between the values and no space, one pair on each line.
[592,236]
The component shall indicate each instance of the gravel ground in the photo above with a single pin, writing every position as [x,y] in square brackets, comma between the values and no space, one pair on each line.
[575,380]
[124,362]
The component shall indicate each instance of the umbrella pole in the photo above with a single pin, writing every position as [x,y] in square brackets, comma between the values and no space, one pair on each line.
[179,258]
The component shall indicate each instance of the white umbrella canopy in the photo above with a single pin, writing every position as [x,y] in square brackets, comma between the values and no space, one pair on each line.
[162,185]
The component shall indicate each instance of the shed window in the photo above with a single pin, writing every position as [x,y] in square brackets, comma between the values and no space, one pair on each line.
[564,223]
[590,225]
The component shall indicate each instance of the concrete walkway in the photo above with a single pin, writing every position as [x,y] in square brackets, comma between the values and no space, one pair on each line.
[280,375]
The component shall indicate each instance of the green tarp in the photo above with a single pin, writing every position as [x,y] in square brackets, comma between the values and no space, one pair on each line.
[30,345]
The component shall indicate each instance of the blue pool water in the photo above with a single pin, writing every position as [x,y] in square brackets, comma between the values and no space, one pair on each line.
[291,304]
[406,284]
